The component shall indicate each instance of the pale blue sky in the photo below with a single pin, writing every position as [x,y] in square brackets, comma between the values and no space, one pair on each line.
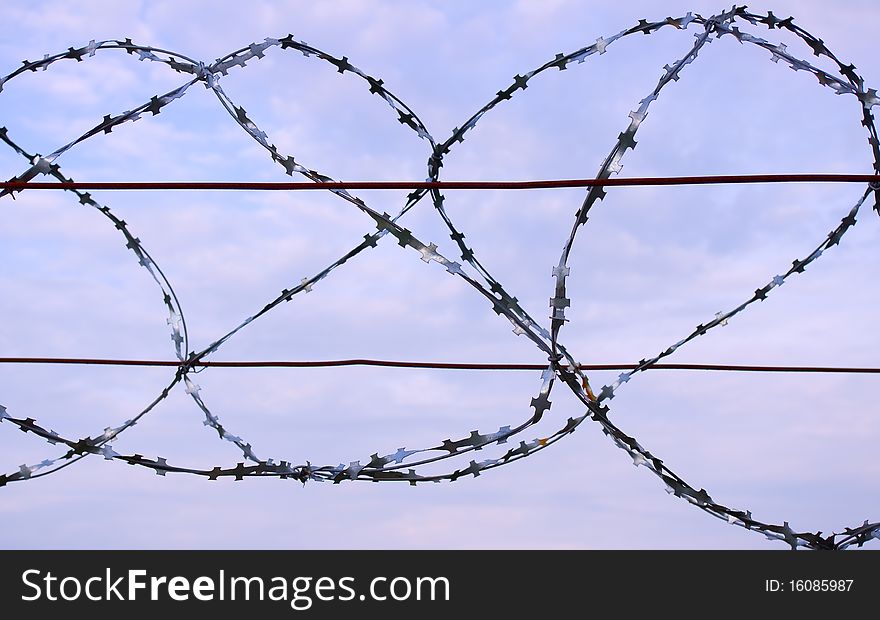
[650,265]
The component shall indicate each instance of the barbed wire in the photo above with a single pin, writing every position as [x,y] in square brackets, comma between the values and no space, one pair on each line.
[408,465]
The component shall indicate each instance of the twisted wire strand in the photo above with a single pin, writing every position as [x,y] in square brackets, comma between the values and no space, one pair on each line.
[434,365]
[470,185]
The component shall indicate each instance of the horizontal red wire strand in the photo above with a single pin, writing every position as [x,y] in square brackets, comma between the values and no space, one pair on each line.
[433,365]
[547,184]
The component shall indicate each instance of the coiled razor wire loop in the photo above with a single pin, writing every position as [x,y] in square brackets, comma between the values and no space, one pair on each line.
[405,464]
